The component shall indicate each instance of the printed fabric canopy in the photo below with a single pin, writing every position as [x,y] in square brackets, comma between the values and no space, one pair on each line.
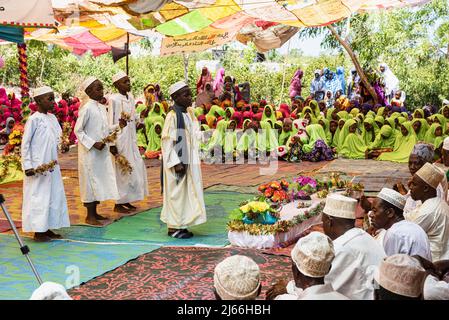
[195,25]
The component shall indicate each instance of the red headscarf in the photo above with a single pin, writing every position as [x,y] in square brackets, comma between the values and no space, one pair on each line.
[238,117]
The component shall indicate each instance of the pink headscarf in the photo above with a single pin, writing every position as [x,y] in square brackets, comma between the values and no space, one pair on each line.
[238,117]
[295,84]
[219,82]
[285,110]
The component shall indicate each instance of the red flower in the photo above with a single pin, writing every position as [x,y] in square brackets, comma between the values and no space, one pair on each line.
[304,124]
[300,131]
[268,192]
[281,149]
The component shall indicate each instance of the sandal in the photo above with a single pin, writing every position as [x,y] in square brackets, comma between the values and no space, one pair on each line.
[180,234]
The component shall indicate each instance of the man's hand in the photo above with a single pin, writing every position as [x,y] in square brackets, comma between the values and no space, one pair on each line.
[99,145]
[179,168]
[29,172]
[122,123]
[113,150]
[276,290]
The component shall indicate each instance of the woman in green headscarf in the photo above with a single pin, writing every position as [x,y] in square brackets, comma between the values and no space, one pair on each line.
[287,132]
[418,114]
[322,121]
[435,135]
[140,133]
[206,135]
[153,127]
[266,138]
[156,110]
[316,149]
[230,139]
[405,115]
[217,139]
[381,112]
[384,139]
[343,115]
[329,113]
[228,113]
[336,140]
[370,114]
[368,131]
[307,113]
[403,145]
[354,112]
[313,104]
[269,114]
[353,146]
[198,111]
[392,123]
[420,126]
[379,120]
[439,118]
[216,111]
[445,112]
[247,143]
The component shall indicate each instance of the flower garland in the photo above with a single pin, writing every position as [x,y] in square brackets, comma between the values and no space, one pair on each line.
[123,164]
[6,161]
[65,137]
[46,167]
[112,136]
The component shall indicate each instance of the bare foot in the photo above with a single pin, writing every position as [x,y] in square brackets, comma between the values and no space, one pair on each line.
[41,237]
[53,235]
[93,221]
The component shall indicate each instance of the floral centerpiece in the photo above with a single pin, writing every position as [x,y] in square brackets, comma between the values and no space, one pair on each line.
[274,191]
[255,212]
[303,187]
[354,190]
[15,140]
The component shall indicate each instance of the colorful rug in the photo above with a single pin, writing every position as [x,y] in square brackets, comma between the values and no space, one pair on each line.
[147,226]
[5,226]
[67,263]
[176,273]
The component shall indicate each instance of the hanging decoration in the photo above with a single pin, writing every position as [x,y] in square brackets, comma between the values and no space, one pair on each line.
[23,67]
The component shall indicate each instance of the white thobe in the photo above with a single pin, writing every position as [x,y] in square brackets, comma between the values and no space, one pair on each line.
[44,202]
[357,256]
[435,289]
[433,217]
[318,292]
[411,204]
[407,237]
[131,187]
[183,203]
[96,170]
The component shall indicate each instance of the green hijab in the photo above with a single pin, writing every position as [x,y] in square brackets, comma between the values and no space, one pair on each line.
[218,110]
[354,112]
[380,111]
[153,113]
[421,135]
[371,114]
[336,141]
[154,140]
[329,113]
[230,139]
[312,115]
[266,138]
[403,146]
[230,110]
[442,120]
[326,129]
[198,111]
[313,104]
[315,132]
[273,114]
[368,136]
[218,135]
[286,135]
[343,115]
[247,139]
[432,138]
[385,138]
[353,146]
[420,111]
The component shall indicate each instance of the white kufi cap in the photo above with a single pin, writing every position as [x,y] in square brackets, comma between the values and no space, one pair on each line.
[50,291]
[41,91]
[119,75]
[313,255]
[176,87]
[446,144]
[88,82]
[392,197]
[431,174]
[340,206]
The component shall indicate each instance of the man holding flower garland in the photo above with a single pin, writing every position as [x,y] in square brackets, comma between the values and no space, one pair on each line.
[131,186]
[45,206]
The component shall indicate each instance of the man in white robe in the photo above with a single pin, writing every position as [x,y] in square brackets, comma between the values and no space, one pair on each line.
[312,259]
[183,203]
[391,81]
[44,202]
[401,236]
[96,170]
[357,254]
[131,186]
[433,214]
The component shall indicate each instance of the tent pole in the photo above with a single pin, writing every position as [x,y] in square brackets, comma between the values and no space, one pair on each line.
[186,67]
[127,55]
[283,74]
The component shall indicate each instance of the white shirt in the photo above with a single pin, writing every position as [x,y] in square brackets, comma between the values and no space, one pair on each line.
[433,217]
[407,238]
[435,289]
[318,292]
[357,256]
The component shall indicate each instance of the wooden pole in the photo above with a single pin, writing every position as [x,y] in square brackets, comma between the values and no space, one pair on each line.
[283,73]
[186,67]
[127,53]
[354,59]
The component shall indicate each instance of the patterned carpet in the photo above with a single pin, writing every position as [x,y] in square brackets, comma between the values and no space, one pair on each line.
[176,273]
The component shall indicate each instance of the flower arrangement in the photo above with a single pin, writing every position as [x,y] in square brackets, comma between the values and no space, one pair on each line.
[65,136]
[112,136]
[255,212]
[336,182]
[123,164]
[6,160]
[305,187]
[275,191]
[46,167]
[14,140]
[125,116]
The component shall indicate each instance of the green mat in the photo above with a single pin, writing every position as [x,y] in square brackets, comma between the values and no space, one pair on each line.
[67,263]
[146,226]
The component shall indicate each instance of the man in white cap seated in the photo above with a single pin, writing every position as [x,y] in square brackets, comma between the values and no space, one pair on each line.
[402,236]
[96,170]
[44,202]
[357,254]
[183,203]
[237,278]
[400,277]
[312,259]
[131,186]
[50,291]
[433,214]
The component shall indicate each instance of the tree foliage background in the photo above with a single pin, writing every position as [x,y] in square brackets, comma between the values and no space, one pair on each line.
[414,42]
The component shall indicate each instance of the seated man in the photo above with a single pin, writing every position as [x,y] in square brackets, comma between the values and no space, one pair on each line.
[237,278]
[402,236]
[312,259]
[400,277]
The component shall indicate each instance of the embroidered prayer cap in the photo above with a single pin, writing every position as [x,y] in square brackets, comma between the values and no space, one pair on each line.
[401,274]
[176,87]
[41,91]
[313,255]
[431,174]
[424,151]
[392,197]
[50,291]
[237,278]
[88,82]
[340,206]
[119,75]
[446,143]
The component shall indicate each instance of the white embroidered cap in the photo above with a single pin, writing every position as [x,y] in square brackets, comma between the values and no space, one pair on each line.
[431,174]
[41,91]
[340,206]
[393,197]
[176,87]
[86,83]
[119,75]
[237,278]
[446,144]
[313,255]
[401,274]
[50,291]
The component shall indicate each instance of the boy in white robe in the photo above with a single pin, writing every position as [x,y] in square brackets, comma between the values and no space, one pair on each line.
[183,203]
[131,186]
[96,170]
[44,202]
